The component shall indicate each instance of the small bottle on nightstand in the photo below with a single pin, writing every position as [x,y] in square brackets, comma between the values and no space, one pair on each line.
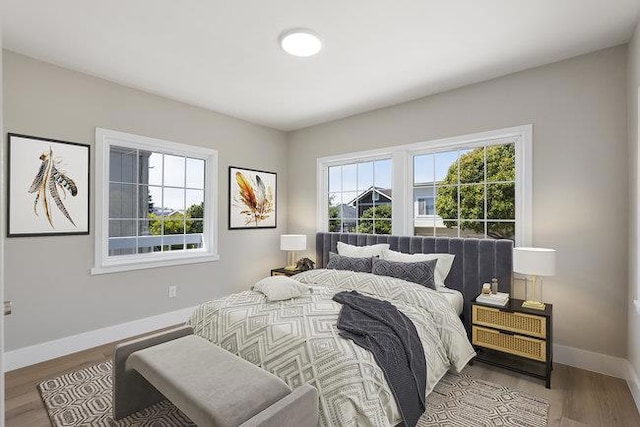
[494,286]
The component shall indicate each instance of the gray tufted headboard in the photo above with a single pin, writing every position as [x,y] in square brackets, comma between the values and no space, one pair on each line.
[477,260]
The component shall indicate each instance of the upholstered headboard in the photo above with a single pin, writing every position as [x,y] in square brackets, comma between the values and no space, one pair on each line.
[476,260]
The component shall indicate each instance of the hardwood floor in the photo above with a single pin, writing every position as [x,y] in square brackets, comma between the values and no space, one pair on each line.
[577,397]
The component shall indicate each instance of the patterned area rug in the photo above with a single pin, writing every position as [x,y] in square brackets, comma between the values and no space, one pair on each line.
[461,400]
[83,398]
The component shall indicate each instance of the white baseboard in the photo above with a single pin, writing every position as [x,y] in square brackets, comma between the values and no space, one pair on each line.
[591,361]
[31,355]
[601,363]
[633,381]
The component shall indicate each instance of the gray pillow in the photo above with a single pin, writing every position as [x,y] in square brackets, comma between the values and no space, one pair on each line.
[341,262]
[422,273]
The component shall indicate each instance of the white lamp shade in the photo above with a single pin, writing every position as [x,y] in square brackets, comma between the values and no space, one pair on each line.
[293,242]
[534,261]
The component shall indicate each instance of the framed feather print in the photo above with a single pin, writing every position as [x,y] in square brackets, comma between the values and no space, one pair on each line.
[252,199]
[48,187]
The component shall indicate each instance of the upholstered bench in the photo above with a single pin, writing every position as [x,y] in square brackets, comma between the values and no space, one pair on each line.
[210,385]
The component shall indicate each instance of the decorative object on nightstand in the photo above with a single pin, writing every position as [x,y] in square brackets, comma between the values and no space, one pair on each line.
[494,286]
[534,262]
[292,243]
[486,289]
[305,264]
[514,337]
[499,298]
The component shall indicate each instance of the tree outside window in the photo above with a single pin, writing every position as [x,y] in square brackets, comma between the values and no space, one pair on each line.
[478,196]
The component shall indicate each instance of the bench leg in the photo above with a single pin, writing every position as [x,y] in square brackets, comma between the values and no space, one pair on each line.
[131,392]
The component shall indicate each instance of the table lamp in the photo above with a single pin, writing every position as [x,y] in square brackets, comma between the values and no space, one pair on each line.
[292,243]
[534,262]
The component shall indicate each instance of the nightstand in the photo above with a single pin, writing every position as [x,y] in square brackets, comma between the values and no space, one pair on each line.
[284,272]
[514,338]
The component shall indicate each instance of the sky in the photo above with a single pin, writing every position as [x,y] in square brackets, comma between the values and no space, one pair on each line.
[349,180]
[433,167]
[163,169]
[174,175]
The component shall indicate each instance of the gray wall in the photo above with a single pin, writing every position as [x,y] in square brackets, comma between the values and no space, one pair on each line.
[578,109]
[48,277]
[2,234]
[634,139]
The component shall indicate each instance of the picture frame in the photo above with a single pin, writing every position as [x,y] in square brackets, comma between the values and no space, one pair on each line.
[252,199]
[48,189]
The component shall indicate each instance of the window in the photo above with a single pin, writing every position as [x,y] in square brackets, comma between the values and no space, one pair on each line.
[469,186]
[473,189]
[156,203]
[424,205]
[359,197]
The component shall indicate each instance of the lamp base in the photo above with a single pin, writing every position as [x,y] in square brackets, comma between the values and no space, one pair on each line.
[536,305]
[291,261]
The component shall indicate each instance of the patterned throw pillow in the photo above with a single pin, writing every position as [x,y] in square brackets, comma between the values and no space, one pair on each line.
[422,272]
[340,262]
[443,266]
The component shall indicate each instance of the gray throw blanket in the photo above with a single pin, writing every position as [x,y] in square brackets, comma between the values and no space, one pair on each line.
[391,337]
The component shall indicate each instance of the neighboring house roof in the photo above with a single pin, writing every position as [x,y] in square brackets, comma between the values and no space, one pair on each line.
[160,211]
[166,211]
[384,192]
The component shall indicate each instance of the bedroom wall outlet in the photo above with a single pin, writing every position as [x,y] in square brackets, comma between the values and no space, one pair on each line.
[173,289]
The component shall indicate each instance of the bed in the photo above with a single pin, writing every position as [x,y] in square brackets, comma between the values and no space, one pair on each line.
[476,261]
[297,339]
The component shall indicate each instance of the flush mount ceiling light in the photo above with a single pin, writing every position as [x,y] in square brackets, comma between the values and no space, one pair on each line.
[300,42]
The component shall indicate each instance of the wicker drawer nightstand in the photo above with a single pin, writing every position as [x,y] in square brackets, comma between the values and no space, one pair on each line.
[514,338]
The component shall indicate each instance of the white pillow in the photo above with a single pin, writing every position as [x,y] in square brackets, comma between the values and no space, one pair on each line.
[362,251]
[278,288]
[445,261]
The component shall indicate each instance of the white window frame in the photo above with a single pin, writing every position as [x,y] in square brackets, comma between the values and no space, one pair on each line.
[103,263]
[402,177]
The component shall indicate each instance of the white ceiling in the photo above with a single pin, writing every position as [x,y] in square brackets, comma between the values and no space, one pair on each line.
[224,55]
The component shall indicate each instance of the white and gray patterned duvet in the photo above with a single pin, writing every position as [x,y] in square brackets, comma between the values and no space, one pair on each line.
[298,341]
